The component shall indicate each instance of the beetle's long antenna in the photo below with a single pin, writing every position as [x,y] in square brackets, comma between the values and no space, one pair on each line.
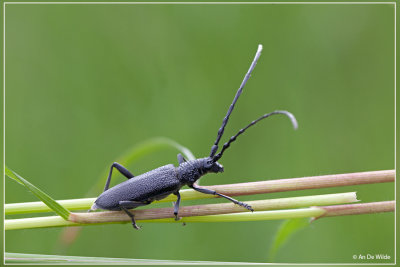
[214,148]
[233,138]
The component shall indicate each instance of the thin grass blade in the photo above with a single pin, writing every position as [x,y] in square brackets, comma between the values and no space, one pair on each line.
[140,150]
[50,202]
[20,258]
[286,230]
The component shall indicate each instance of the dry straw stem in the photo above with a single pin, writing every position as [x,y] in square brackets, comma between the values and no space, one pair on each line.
[233,190]
[362,208]
[166,214]
[312,182]
[213,209]
[251,188]
[312,212]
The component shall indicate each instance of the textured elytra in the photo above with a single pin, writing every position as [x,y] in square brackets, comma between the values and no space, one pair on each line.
[152,185]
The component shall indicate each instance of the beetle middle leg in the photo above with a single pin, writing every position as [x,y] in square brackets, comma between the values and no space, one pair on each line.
[125,205]
[176,205]
[124,171]
[212,192]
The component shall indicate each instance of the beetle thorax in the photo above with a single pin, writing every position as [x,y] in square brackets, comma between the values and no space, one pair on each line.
[190,171]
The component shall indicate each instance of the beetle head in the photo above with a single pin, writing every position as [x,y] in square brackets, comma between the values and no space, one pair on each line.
[213,166]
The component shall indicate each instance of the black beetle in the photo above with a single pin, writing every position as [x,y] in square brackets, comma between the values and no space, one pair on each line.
[159,183]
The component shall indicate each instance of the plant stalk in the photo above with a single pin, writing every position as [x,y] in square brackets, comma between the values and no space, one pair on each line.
[250,188]
[199,210]
[312,212]
[362,208]
[313,182]
[212,209]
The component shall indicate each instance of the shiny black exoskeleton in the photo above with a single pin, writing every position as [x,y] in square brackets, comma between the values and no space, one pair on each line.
[159,183]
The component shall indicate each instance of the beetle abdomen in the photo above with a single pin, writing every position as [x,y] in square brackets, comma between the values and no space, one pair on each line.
[155,184]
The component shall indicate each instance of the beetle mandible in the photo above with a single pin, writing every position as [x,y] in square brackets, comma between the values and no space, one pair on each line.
[157,184]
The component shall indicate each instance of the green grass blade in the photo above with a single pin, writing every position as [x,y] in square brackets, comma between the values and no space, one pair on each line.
[50,202]
[56,221]
[20,258]
[286,230]
[38,206]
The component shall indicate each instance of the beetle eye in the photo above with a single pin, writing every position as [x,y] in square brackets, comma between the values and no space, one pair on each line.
[209,164]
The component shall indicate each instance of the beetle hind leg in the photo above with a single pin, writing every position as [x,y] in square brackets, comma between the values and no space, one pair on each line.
[125,205]
[132,218]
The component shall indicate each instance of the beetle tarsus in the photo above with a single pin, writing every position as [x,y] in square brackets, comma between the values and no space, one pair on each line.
[131,216]
[246,206]
[137,227]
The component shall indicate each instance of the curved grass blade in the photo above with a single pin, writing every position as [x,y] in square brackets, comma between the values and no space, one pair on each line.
[286,230]
[140,150]
[151,145]
[50,202]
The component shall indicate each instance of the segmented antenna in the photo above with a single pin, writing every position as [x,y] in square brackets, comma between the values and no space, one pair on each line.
[233,138]
[214,148]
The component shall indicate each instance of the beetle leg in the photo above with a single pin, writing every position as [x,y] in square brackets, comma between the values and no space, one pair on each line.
[125,205]
[176,205]
[181,159]
[132,218]
[212,192]
[124,171]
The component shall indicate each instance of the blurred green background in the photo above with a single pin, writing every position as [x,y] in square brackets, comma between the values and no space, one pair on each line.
[84,83]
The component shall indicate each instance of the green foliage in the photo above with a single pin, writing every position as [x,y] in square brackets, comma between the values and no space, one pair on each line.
[286,230]
[50,202]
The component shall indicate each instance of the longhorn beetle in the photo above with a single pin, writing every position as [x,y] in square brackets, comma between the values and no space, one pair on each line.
[157,184]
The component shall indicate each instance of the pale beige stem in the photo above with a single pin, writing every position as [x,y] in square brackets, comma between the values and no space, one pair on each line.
[212,209]
[312,182]
[251,188]
[312,212]
[361,208]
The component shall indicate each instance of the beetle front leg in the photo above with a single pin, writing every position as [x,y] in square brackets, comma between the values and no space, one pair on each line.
[176,205]
[212,192]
